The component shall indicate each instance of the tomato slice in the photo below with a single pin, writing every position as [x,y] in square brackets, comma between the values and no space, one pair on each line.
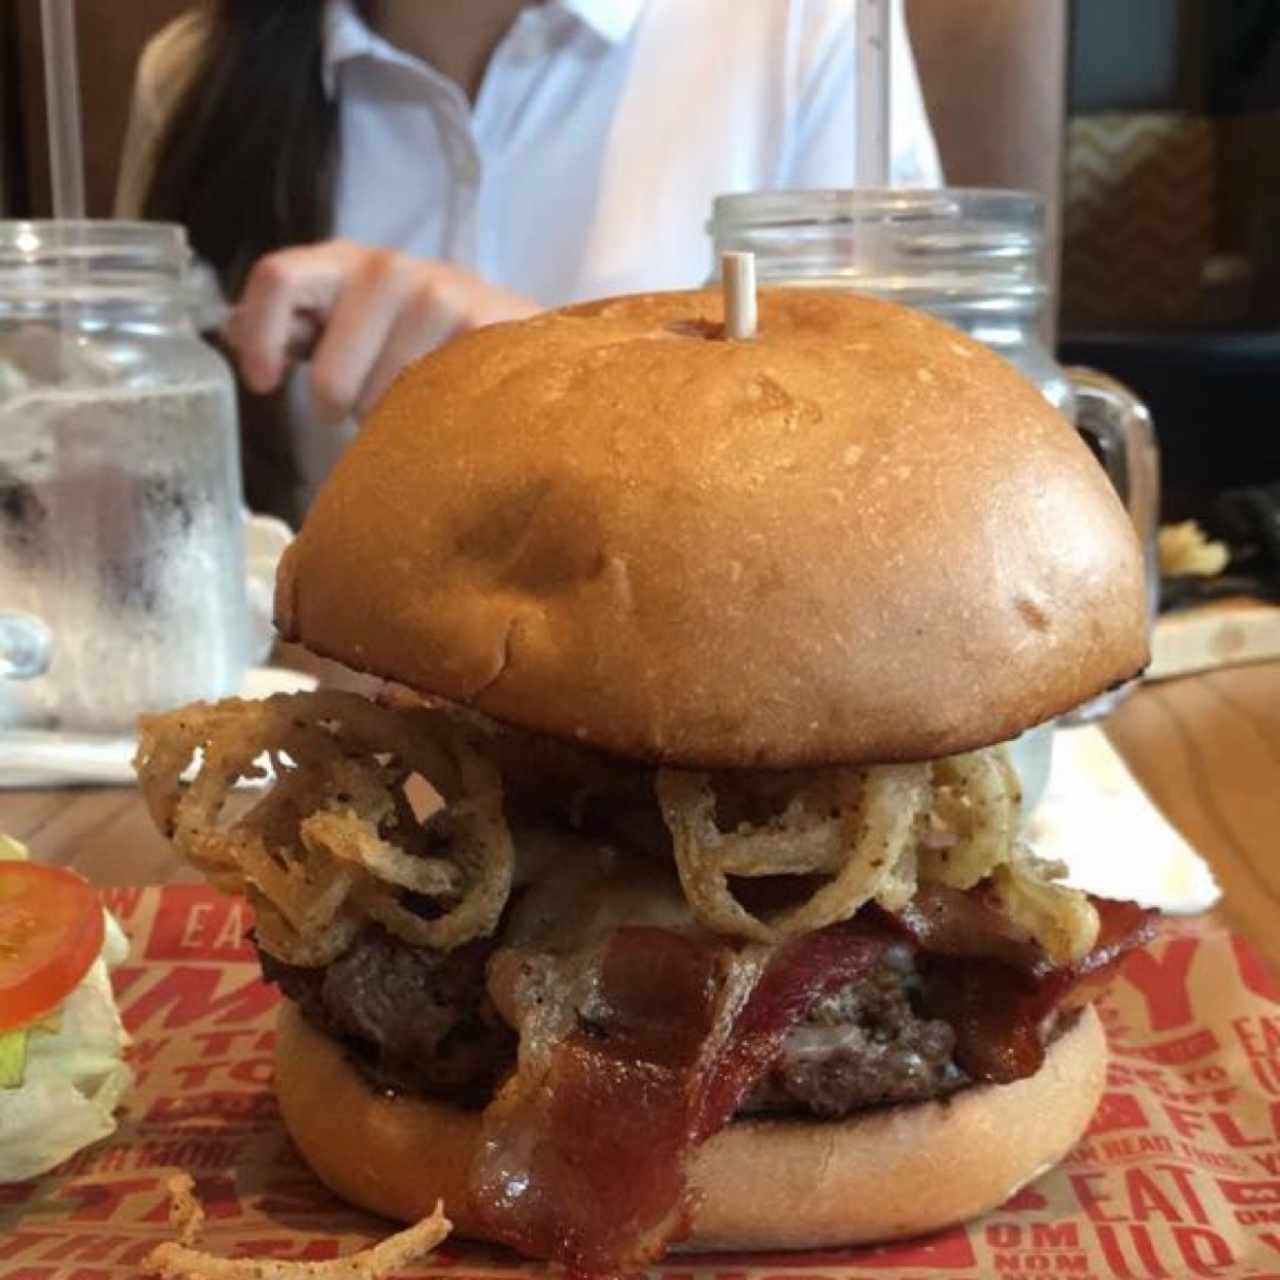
[50,933]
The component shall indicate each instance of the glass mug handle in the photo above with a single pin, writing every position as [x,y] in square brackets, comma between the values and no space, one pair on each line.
[25,646]
[1119,426]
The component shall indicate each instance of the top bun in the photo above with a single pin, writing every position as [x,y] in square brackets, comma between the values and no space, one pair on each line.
[860,536]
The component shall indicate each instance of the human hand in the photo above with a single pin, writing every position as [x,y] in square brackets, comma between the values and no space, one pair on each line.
[363,313]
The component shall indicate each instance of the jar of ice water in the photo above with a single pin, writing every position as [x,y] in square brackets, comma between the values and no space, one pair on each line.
[977,259]
[122,578]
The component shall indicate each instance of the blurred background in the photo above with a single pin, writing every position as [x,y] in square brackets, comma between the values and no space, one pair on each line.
[1171,213]
[1153,126]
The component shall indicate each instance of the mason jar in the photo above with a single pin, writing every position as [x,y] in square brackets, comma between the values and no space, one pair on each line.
[122,575]
[977,259]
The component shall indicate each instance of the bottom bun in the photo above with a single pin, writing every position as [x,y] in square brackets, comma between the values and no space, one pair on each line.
[761,1184]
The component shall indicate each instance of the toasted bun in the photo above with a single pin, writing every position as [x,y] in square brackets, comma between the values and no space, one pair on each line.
[860,536]
[888,1174]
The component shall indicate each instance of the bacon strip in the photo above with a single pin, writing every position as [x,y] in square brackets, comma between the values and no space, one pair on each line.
[998,1001]
[801,972]
[587,1164]
[584,1160]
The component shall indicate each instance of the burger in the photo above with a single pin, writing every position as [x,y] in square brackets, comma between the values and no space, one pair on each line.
[669,890]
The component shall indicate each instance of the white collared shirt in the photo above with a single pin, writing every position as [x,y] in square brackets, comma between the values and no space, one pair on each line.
[601,133]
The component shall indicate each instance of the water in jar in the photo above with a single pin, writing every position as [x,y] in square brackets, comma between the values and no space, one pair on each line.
[115,529]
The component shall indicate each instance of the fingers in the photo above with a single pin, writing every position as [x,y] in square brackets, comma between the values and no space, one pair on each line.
[360,313]
[419,326]
[276,310]
[387,302]
[440,303]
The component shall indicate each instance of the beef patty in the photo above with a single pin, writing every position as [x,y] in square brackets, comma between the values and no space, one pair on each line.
[413,1019]
[867,1044]
[421,1021]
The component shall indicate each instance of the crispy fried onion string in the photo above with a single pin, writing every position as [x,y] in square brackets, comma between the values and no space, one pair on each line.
[873,817]
[335,840]
[976,799]
[1061,919]
[874,833]
[182,1260]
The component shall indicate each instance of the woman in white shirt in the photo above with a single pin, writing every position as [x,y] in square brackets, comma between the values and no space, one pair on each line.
[367,177]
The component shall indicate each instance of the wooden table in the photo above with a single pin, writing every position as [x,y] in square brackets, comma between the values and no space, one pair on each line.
[1207,749]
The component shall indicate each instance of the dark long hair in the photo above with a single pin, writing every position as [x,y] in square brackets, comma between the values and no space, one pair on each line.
[246,162]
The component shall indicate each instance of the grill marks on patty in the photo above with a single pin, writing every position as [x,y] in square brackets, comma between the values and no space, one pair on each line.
[419,1021]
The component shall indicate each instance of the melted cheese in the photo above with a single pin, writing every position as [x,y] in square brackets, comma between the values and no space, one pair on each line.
[576,893]
[584,890]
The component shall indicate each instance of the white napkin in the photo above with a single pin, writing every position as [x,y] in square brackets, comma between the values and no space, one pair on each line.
[265,539]
[1097,819]
[47,758]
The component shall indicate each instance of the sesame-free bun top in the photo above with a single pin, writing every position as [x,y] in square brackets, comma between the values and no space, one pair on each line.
[860,536]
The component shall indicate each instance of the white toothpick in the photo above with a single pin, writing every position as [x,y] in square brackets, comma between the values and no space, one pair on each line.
[738,276]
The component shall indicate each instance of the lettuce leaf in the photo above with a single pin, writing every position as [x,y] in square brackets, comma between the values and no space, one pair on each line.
[13,1057]
[12,850]
[74,1075]
[13,1044]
